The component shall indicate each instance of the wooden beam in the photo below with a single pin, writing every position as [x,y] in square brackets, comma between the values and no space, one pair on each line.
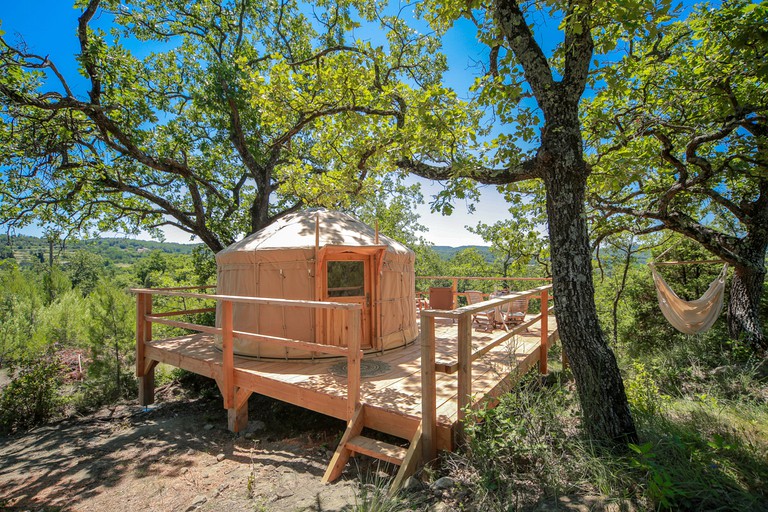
[252,300]
[237,416]
[274,340]
[544,332]
[452,366]
[473,278]
[354,359]
[485,305]
[319,283]
[341,455]
[410,463]
[227,355]
[464,392]
[428,391]
[183,312]
[145,368]
[140,332]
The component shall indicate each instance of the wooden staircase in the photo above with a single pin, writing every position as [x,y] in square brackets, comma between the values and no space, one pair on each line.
[353,442]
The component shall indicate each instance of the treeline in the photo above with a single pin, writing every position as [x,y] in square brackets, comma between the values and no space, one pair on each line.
[27,250]
[67,330]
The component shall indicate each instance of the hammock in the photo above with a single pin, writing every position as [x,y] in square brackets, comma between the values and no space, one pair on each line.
[690,317]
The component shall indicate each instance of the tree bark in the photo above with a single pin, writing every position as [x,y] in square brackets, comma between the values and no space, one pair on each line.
[744,307]
[601,390]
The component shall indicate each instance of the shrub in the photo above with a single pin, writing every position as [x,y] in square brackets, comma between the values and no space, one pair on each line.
[33,396]
[643,394]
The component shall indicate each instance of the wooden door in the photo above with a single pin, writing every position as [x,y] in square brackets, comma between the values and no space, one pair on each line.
[348,279]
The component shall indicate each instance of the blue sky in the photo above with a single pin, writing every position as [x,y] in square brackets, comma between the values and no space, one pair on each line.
[49,28]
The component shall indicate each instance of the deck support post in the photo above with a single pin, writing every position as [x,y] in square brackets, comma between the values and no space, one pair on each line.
[237,416]
[428,390]
[227,356]
[464,385]
[354,359]
[544,348]
[145,370]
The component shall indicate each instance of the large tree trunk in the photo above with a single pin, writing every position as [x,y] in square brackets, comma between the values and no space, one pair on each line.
[744,306]
[601,390]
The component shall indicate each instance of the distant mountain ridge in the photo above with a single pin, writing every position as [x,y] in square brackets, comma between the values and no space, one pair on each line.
[27,249]
[447,252]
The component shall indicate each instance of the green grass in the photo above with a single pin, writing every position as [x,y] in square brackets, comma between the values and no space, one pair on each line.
[695,453]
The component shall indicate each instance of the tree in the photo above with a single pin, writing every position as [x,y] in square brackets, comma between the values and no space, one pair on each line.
[241,112]
[519,67]
[6,252]
[84,270]
[514,242]
[681,134]
[111,337]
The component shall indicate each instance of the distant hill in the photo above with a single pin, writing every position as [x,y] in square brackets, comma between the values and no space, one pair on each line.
[27,249]
[447,252]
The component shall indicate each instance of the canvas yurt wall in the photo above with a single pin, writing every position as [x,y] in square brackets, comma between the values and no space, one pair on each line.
[286,260]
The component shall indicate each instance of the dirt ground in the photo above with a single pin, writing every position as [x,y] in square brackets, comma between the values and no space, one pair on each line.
[177,456]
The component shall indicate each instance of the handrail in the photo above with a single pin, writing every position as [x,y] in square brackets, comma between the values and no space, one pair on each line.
[487,278]
[314,304]
[466,356]
[451,366]
[191,287]
[485,305]
[144,320]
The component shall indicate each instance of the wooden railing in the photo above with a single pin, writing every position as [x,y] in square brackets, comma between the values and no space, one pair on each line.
[352,317]
[465,355]
[455,282]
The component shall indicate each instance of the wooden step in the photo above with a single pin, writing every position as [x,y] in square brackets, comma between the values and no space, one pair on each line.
[377,449]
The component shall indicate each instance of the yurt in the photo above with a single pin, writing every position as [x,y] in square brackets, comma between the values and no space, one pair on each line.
[325,256]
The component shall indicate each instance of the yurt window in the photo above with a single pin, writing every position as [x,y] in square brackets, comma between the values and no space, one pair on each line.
[346,278]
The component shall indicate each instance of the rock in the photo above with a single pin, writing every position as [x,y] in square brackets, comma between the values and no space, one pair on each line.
[220,457]
[208,426]
[329,454]
[190,452]
[412,484]
[255,426]
[439,507]
[221,489]
[443,483]
[196,503]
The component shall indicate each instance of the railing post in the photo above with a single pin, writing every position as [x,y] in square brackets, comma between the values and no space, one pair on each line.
[428,389]
[464,377]
[455,291]
[544,332]
[227,355]
[145,370]
[354,358]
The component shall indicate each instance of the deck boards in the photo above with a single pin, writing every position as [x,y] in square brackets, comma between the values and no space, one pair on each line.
[395,397]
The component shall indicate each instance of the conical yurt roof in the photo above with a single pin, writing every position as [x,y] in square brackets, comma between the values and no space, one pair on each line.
[297,231]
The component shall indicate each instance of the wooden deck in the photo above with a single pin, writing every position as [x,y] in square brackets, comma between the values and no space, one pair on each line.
[392,399]
[419,393]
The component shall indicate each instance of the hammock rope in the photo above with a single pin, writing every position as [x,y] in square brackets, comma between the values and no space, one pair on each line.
[694,316]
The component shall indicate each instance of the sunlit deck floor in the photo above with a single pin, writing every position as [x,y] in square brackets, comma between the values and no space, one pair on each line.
[392,399]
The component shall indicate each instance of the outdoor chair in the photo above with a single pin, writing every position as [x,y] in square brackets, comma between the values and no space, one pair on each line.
[513,313]
[484,317]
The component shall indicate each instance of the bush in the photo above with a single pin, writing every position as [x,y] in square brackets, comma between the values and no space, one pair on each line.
[33,396]
[511,447]
[643,394]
